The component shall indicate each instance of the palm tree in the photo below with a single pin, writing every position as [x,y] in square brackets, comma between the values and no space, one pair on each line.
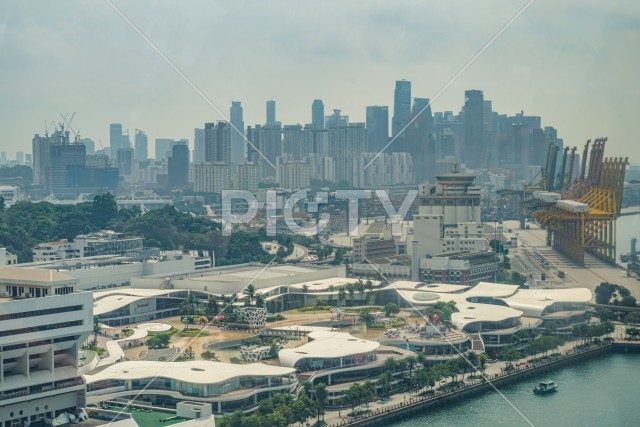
[411,362]
[189,304]
[331,288]
[321,394]
[250,293]
[482,360]
[351,289]
[359,286]
[97,327]
[305,290]
[422,359]
[212,306]
[259,300]
[385,380]
[369,286]
[342,296]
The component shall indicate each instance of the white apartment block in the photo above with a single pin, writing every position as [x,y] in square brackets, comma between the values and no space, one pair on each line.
[43,322]
[292,174]
[212,177]
[247,177]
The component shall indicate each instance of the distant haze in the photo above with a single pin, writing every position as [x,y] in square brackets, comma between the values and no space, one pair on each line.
[574,63]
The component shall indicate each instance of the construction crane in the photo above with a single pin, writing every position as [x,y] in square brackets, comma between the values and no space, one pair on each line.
[585,219]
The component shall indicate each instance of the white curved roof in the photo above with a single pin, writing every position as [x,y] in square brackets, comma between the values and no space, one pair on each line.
[534,301]
[471,313]
[195,372]
[327,345]
[493,290]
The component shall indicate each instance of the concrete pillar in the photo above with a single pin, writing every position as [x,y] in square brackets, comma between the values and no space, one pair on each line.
[415,262]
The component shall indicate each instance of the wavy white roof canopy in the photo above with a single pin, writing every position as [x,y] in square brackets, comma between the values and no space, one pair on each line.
[327,345]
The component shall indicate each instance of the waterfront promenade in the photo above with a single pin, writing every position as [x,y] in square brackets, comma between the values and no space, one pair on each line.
[404,405]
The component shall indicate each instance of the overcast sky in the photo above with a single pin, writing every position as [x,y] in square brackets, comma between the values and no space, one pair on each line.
[575,63]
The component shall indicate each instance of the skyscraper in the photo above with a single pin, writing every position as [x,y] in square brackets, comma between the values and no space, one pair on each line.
[271,113]
[237,134]
[163,148]
[64,157]
[474,140]
[115,136]
[345,144]
[217,142]
[377,127]
[141,146]
[317,114]
[401,106]
[198,146]
[178,170]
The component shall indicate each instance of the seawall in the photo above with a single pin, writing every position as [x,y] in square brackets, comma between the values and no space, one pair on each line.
[417,405]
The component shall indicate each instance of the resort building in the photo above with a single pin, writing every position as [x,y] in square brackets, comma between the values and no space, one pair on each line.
[43,322]
[226,387]
[125,306]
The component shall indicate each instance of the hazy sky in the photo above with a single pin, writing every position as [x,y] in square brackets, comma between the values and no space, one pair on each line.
[575,63]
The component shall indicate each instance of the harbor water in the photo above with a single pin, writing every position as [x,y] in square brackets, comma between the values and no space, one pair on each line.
[598,392]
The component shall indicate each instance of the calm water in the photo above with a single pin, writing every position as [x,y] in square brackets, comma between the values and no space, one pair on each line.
[601,392]
[627,227]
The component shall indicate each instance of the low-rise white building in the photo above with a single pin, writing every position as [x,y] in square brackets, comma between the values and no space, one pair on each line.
[227,387]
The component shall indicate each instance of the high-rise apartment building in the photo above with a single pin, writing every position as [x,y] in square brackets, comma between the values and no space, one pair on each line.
[237,133]
[178,167]
[124,162]
[198,146]
[271,113]
[317,114]
[377,127]
[141,146]
[43,323]
[345,144]
[211,177]
[292,174]
[298,141]
[401,106]
[217,137]
[247,177]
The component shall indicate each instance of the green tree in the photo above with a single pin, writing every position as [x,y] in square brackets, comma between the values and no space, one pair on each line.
[391,309]
[250,293]
[320,396]
[104,209]
[97,328]
[209,355]
[158,341]
[509,353]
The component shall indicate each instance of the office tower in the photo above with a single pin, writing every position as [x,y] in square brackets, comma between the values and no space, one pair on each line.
[377,127]
[237,134]
[401,106]
[198,146]
[141,146]
[20,157]
[418,141]
[211,177]
[163,148]
[124,162]
[44,321]
[217,137]
[345,144]
[3,157]
[117,138]
[63,158]
[271,113]
[473,154]
[178,167]
[28,159]
[40,150]
[317,114]
[247,177]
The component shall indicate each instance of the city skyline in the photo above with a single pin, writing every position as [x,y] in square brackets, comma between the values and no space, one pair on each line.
[584,58]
